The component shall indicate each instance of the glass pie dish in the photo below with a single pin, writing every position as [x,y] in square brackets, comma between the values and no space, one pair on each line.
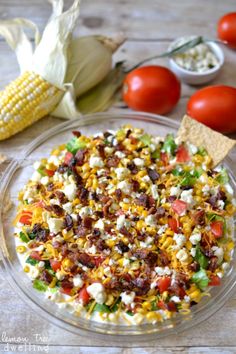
[16,176]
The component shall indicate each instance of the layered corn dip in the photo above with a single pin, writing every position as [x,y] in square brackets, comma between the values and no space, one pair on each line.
[124,227]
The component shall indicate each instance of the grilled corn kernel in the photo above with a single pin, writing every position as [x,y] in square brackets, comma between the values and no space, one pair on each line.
[151,316]
[146,305]
[110,243]
[26,269]
[135,265]
[196,295]
[110,300]
[53,283]
[140,224]
[67,263]
[167,242]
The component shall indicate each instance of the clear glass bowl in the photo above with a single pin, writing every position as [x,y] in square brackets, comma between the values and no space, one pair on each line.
[17,175]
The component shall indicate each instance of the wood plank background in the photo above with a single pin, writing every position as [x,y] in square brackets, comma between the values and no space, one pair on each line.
[149,25]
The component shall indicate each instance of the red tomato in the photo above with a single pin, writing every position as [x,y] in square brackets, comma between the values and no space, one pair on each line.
[217,228]
[171,306]
[68,157]
[152,89]
[179,206]
[66,291]
[55,264]
[35,255]
[50,173]
[227,29]
[214,106]
[26,217]
[214,280]
[163,284]
[98,260]
[182,154]
[173,224]
[84,296]
[161,305]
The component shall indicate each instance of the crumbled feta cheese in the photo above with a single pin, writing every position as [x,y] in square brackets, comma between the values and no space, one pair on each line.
[34,272]
[179,239]
[175,190]
[44,180]
[162,271]
[92,249]
[77,281]
[107,271]
[146,179]
[125,187]
[126,262]
[162,229]
[225,266]
[127,298]
[229,189]
[193,252]
[187,298]
[219,253]
[97,292]
[192,148]
[67,207]
[55,225]
[220,204]
[36,176]
[139,162]
[108,150]
[187,196]
[60,275]
[154,192]
[121,221]
[99,224]
[203,179]
[37,165]
[41,264]
[96,161]
[195,238]
[70,191]
[85,211]
[175,299]
[54,160]
[206,189]
[182,255]
[122,172]
[100,172]
[120,154]
[150,220]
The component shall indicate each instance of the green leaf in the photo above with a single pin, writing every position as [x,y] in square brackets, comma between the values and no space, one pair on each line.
[223,177]
[156,154]
[115,307]
[41,171]
[101,308]
[31,261]
[31,235]
[154,305]
[146,139]
[75,144]
[169,145]
[201,258]
[177,172]
[200,279]
[129,313]
[39,285]
[24,237]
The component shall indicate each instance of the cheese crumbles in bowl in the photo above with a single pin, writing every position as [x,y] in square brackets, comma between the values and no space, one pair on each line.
[126,228]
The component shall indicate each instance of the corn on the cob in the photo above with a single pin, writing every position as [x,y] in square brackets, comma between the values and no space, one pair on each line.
[24,101]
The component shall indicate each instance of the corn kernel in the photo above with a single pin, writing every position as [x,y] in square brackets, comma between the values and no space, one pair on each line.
[53,283]
[140,224]
[110,243]
[151,316]
[26,269]
[146,305]
[109,300]
[135,265]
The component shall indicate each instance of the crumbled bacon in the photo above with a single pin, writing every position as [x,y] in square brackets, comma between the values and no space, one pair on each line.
[61,197]
[153,174]
[163,258]
[135,185]
[118,194]
[76,133]
[112,161]
[68,222]
[142,200]
[101,150]
[213,263]
[79,157]
[59,211]
[83,194]
[133,168]
[87,222]
[122,247]
[46,277]
[86,260]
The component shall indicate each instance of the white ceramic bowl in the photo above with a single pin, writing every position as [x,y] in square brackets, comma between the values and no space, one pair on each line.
[193,77]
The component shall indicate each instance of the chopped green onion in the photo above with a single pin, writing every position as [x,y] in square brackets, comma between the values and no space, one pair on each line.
[200,279]
[201,258]
[75,144]
[31,261]
[146,139]
[101,308]
[169,145]
[129,313]
[223,177]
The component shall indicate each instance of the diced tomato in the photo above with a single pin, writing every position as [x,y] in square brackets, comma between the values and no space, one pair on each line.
[182,154]
[161,305]
[214,280]
[35,255]
[55,264]
[98,260]
[171,306]
[163,284]
[68,157]
[50,173]
[179,206]
[84,296]
[173,224]
[66,291]
[164,158]
[26,217]
[217,228]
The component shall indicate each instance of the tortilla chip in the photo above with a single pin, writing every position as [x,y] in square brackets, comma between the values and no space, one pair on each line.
[216,144]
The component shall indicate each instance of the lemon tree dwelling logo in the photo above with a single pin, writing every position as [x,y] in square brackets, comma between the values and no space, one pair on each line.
[13,344]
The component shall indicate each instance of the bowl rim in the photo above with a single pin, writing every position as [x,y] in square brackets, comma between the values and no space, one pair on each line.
[124,336]
[215,48]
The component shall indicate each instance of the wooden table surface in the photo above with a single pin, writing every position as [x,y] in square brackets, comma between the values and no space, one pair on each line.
[149,26]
